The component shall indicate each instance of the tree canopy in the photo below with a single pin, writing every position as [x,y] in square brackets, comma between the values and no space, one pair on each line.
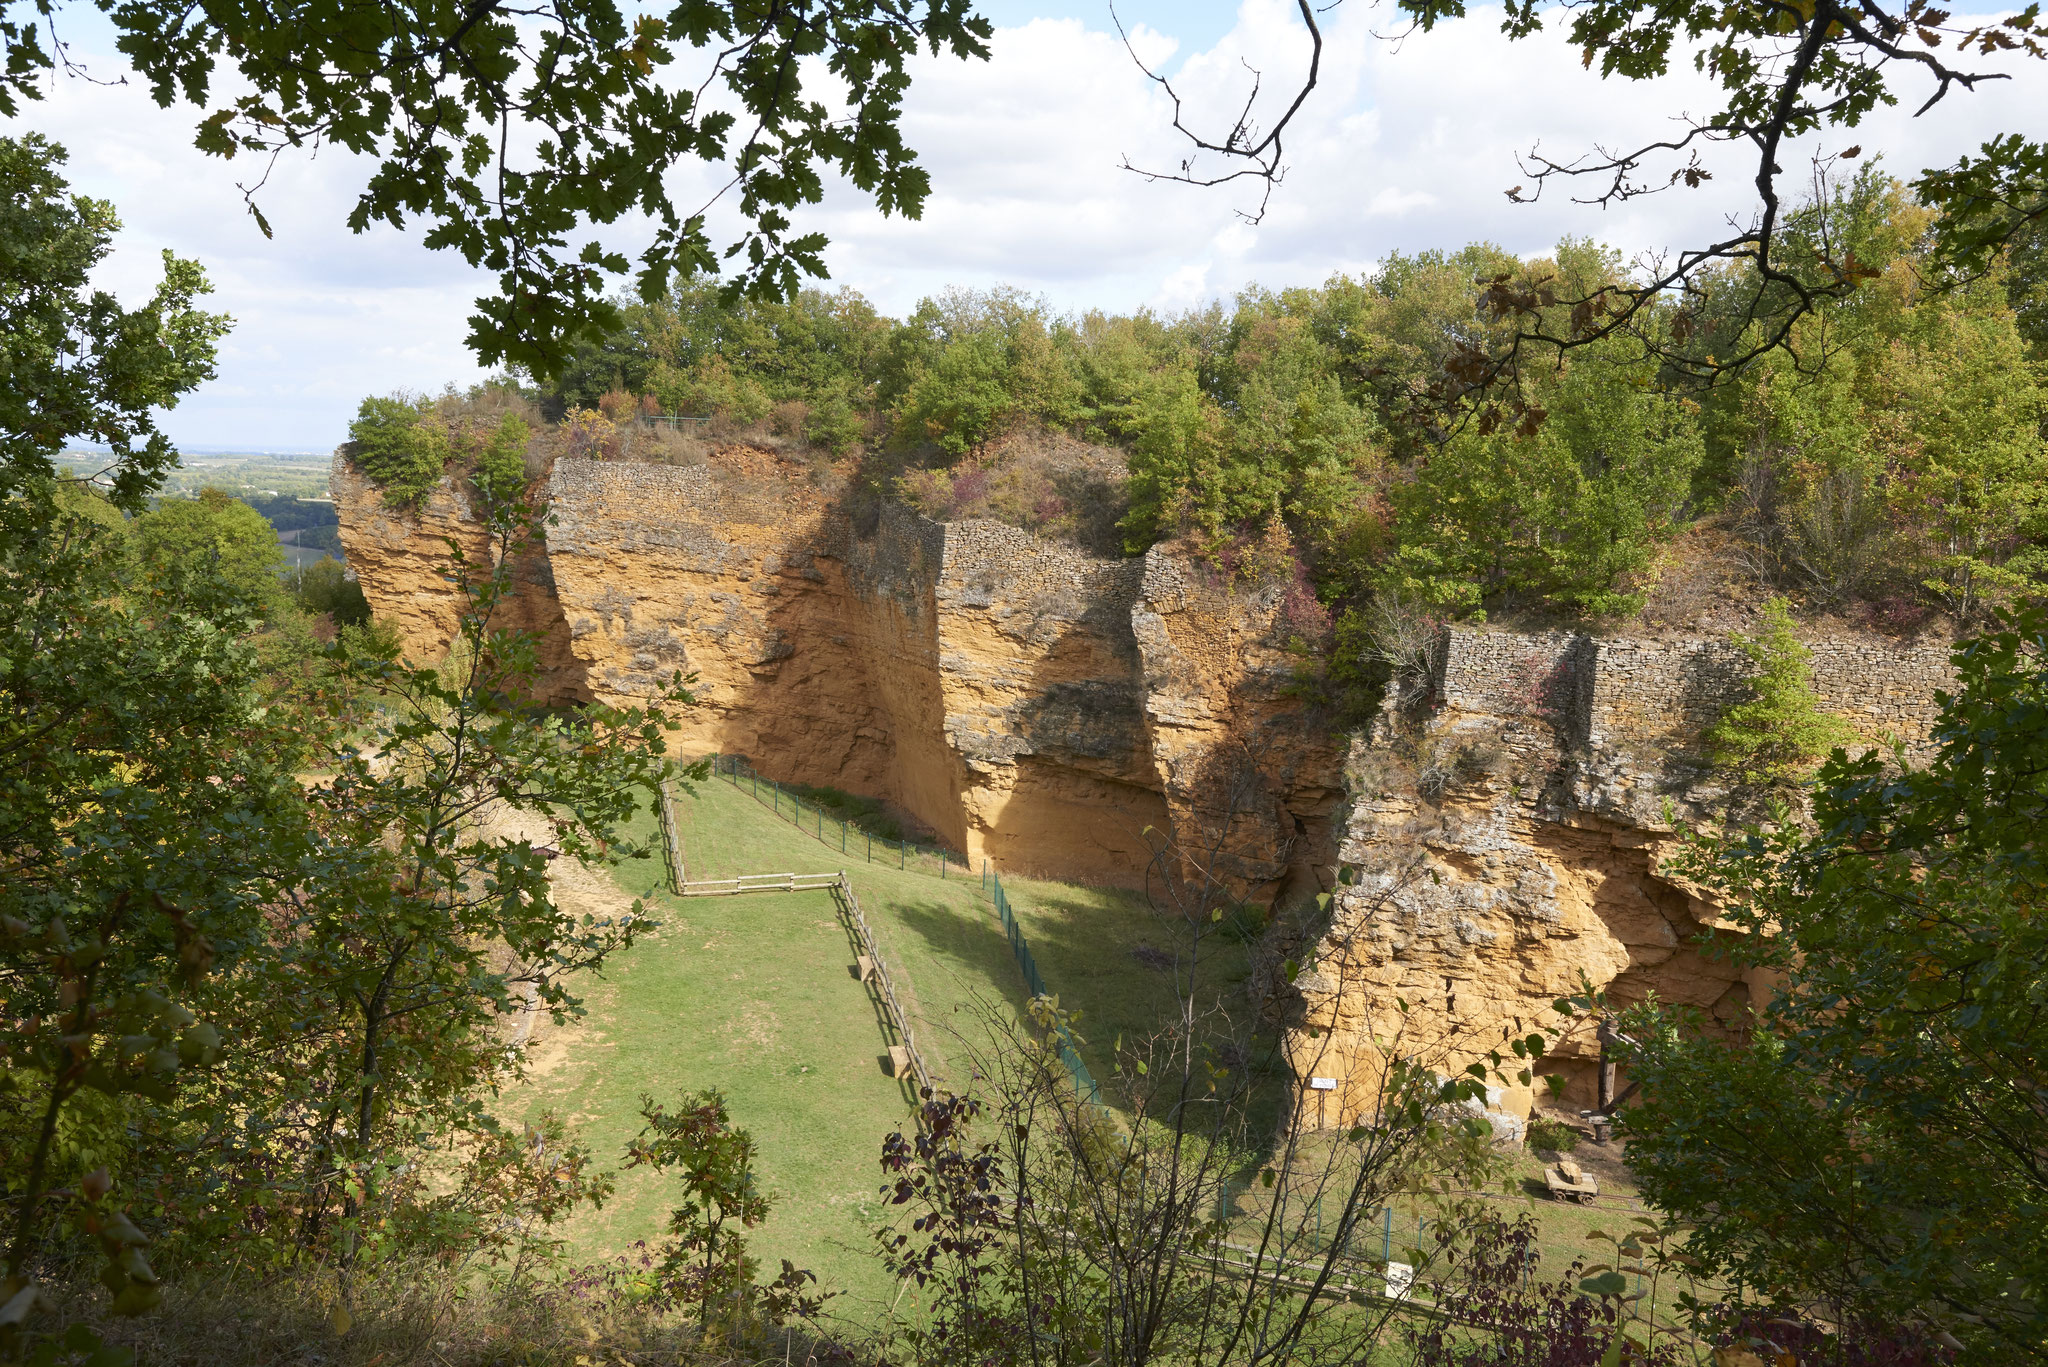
[1783,72]
[1901,467]
[75,364]
[1877,1145]
[509,131]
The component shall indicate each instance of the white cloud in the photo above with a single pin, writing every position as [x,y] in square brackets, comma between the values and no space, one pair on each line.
[1403,147]
[1184,289]
[1393,202]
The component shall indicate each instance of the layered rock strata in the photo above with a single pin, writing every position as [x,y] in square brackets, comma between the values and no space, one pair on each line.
[1511,836]
[1509,820]
[401,559]
[1038,707]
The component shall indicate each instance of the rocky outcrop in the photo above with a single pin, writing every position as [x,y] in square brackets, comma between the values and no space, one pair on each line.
[400,559]
[1035,705]
[1250,780]
[1507,827]
[1511,838]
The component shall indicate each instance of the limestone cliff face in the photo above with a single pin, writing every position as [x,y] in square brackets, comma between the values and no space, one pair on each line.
[1509,819]
[1511,837]
[397,558]
[1248,784]
[1037,706]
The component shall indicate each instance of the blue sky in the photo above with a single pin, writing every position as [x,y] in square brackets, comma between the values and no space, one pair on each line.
[1407,146]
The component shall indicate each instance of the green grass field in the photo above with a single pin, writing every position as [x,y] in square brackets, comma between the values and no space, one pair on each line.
[754,995]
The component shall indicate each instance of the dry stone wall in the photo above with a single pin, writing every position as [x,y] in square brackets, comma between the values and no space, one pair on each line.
[1601,691]
[1658,690]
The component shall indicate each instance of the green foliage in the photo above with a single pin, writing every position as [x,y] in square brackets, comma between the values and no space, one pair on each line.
[967,367]
[1259,426]
[705,1264]
[1780,728]
[405,444]
[79,366]
[1911,462]
[1555,1135]
[1875,1145]
[428,95]
[501,464]
[515,1185]
[1961,416]
[216,536]
[284,511]
[1180,448]
[324,587]
[239,1014]
[402,454]
[1571,513]
[142,805]
[129,877]
[1902,457]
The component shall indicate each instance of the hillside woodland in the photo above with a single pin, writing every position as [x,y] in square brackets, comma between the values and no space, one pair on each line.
[270,958]
[1890,469]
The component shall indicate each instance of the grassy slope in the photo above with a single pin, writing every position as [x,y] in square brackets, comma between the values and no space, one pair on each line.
[753,995]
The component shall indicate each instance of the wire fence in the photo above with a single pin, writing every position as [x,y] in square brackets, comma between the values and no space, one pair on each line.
[813,820]
[849,839]
[1084,1081]
[1382,1236]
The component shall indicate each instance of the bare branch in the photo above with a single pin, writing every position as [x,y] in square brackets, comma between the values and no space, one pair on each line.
[1262,155]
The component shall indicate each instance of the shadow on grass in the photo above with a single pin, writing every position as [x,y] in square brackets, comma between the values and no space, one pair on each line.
[969,950]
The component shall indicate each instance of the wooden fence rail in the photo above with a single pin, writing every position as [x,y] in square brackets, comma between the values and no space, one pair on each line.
[876,969]
[671,838]
[760,882]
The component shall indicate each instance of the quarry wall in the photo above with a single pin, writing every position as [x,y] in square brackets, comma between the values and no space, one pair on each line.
[1511,840]
[1037,706]
[1508,823]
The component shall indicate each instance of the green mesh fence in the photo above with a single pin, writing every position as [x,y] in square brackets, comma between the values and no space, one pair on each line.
[1084,1081]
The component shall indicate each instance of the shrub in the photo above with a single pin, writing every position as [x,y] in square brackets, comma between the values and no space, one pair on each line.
[324,586]
[501,464]
[835,421]
[402,456]
[1398,632]
[1555,1135]
[590,435]
[1303,616]
[790,418]
[1781,728]
[705,1265]
[405,443]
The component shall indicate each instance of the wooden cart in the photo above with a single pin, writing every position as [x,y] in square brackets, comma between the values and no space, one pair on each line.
[1570,1182]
